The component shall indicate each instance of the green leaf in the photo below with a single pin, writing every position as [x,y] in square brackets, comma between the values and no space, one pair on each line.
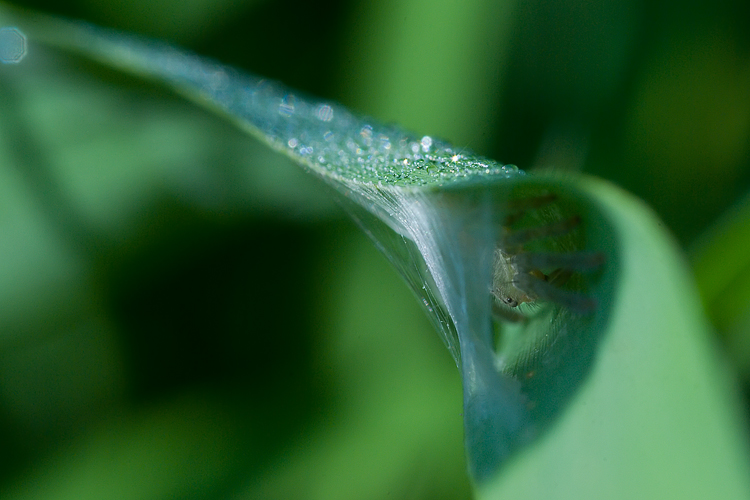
[602,384]
[659,416]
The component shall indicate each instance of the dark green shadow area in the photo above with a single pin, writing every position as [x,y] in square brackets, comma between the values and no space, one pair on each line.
[198,302]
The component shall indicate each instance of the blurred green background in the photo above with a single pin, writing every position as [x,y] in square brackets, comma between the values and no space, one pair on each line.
[185,314]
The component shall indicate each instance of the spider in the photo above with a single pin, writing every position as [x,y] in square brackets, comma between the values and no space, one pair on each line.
[518,276]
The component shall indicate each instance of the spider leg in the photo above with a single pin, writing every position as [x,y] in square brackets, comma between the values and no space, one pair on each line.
[549,291]
[559,276]
[518,208]
[573,261]
[523,236]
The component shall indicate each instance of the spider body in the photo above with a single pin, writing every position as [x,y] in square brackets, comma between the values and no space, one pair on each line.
[504,281]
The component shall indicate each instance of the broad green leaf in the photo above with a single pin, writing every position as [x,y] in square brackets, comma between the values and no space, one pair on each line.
[659,416]
[602,376]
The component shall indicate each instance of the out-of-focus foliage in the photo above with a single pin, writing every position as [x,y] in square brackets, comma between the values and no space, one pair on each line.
[722,267]
[185,314]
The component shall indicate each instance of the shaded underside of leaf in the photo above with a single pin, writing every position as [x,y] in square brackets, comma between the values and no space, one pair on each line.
[658,405]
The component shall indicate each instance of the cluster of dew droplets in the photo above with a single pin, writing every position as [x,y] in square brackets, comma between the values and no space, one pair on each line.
[324,136]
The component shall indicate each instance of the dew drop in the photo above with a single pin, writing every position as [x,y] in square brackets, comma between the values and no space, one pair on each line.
[286,108]
[324,113]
